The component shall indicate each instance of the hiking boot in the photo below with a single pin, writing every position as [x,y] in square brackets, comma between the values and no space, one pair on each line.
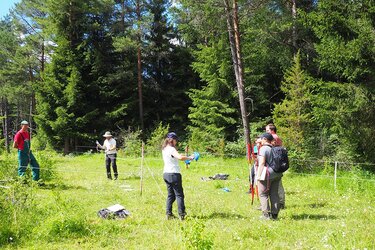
[274,216]
[171,217]
[182,217]
[265,216]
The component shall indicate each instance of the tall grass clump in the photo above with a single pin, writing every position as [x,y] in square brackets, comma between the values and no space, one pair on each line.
[195,237]
[64,219]
[8,166]
[18,213]
[47,162]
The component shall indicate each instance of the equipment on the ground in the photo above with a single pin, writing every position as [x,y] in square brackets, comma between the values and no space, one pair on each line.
[113,212]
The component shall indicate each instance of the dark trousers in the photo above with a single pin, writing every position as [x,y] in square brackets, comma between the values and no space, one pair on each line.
[175,192]
[111,159]
[269,195]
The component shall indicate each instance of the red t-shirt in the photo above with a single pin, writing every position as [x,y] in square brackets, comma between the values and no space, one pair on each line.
[277,140]
[21,139]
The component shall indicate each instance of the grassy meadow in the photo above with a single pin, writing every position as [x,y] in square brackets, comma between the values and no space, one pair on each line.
[62,214]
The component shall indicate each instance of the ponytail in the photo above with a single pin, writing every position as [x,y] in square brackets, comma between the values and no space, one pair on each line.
[166,142]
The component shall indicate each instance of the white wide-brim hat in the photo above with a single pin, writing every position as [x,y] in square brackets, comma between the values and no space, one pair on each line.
[107,134]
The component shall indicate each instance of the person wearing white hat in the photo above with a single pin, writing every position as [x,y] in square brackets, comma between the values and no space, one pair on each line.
[109,146]
[25,156]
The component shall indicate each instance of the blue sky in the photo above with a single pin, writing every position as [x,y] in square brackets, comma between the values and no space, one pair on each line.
[5,6]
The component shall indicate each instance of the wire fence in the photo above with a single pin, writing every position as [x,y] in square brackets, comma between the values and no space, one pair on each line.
[335,170]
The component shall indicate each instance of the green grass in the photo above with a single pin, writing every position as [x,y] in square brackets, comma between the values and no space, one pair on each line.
[63,213]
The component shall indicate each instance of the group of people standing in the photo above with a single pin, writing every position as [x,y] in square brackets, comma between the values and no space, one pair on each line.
[271,190]
[22,142]
[269,182]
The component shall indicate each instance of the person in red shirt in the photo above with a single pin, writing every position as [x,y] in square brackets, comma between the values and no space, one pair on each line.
[271,128]
[25,156]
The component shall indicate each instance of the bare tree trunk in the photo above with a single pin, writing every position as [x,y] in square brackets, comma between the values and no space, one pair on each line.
[31,115]
[66,145]
[123,16]
[235,44]
[294,28]
[42,59]
[139,66]
[4,114]
[6,129]
[32,98]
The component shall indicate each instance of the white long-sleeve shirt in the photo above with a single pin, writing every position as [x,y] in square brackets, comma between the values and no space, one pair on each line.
[109,146]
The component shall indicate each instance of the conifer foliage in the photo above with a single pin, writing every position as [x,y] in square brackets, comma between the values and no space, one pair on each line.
[75,69]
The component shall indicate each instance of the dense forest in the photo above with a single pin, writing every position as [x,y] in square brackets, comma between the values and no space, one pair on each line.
[75,69]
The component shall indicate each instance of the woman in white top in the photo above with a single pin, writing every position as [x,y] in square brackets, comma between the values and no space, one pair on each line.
[172,175]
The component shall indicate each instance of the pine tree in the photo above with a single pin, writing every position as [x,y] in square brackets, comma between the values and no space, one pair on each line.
[292,116]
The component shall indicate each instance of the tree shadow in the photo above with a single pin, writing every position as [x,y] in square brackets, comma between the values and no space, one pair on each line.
[291,192]
[55,186]
[311,205]
[305,216]
[217,215]
[130,177]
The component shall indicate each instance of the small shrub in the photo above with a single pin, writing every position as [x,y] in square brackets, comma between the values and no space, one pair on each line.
[8,166]
[47,163]
[235,149]
[194,237]
[153,146]
[131,141]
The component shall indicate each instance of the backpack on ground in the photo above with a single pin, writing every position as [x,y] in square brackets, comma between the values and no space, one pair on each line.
[280,162]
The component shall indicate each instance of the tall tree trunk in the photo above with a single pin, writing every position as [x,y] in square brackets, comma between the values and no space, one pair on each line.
[294,28]
[235,44]
[42,59]
[4,114]
[66,145]
[123,16]
[32,98]
[6,129]
[139,66]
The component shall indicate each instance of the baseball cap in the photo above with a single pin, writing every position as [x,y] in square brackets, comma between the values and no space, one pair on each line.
[172,135]
[268,136]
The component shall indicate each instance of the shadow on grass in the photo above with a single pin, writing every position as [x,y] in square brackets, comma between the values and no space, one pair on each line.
[130,177]
[312,205]
[55,186]
[313,217]
[291,192]
[216,215]
[317,205]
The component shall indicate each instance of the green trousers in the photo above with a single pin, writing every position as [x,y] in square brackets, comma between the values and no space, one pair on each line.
[26,157]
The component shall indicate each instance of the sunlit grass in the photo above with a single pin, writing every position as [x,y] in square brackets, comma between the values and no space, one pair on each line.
[64,212]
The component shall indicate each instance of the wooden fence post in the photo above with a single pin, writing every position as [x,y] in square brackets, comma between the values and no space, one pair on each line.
[142,160]
[335,175]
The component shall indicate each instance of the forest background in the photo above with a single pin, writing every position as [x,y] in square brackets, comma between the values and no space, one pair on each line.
[75,69]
